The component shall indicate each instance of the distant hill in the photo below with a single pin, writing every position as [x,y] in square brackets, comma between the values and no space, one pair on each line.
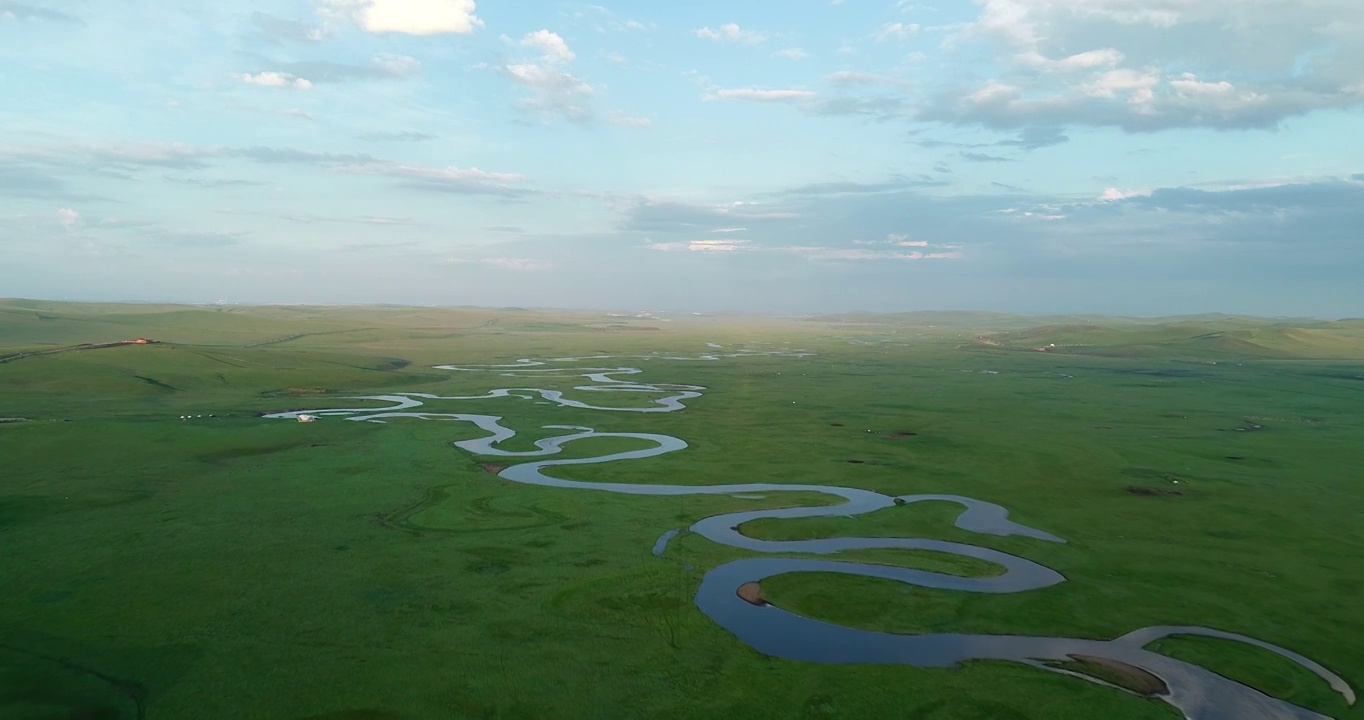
[1009,321]
[1223,337]
[35,325]
[39,325]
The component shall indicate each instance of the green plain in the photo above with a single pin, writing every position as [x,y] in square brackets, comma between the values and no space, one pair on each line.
[238,567]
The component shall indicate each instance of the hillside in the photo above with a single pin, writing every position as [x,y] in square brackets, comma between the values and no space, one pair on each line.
[1228,338]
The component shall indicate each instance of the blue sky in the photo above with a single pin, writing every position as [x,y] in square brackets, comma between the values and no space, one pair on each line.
[1118,156]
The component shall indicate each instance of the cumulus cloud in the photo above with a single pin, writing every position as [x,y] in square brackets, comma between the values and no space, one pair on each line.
[1112,194]
[408,17]
[552,47]
[794,53]
[1088,60]
[731,32]
[553,90]
[1136,102]
[271,78]
[68,218]
[1148,65]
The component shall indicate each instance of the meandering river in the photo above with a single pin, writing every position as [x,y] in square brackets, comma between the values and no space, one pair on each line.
[1199,693]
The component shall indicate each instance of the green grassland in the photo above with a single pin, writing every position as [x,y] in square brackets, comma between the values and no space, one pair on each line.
[237,567]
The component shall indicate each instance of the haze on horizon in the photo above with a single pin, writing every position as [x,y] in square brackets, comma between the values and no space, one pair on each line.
[1139,157]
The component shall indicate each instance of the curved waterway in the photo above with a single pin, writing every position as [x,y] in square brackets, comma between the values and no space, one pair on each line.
[1199,693]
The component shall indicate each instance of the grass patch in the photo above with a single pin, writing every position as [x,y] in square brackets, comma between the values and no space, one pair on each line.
[1113,672]
[1261,669]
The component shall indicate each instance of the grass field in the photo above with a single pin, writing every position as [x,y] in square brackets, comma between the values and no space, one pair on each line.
[232,566]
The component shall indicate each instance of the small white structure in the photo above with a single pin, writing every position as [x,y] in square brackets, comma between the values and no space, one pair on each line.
[307,418]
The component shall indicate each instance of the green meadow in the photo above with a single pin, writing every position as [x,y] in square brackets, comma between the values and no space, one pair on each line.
[1204,471]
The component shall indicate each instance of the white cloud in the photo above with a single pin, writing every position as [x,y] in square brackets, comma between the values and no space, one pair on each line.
[68,218]
[895,31]
[98,155]
[706,246]
[274,79]
[552,47]
[1157,64]
[811,252]
[1138,85]
[554,91]
[760,95]
[733,33]
[904,241]
[837,253]
[1089,60]
[1114,194]
[994,91]
[791,54]
[618,118]
[410,17]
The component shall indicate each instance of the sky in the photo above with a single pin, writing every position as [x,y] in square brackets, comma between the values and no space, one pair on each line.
[1139,157]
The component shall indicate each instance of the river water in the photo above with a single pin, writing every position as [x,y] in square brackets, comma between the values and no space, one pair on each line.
[1199,693]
